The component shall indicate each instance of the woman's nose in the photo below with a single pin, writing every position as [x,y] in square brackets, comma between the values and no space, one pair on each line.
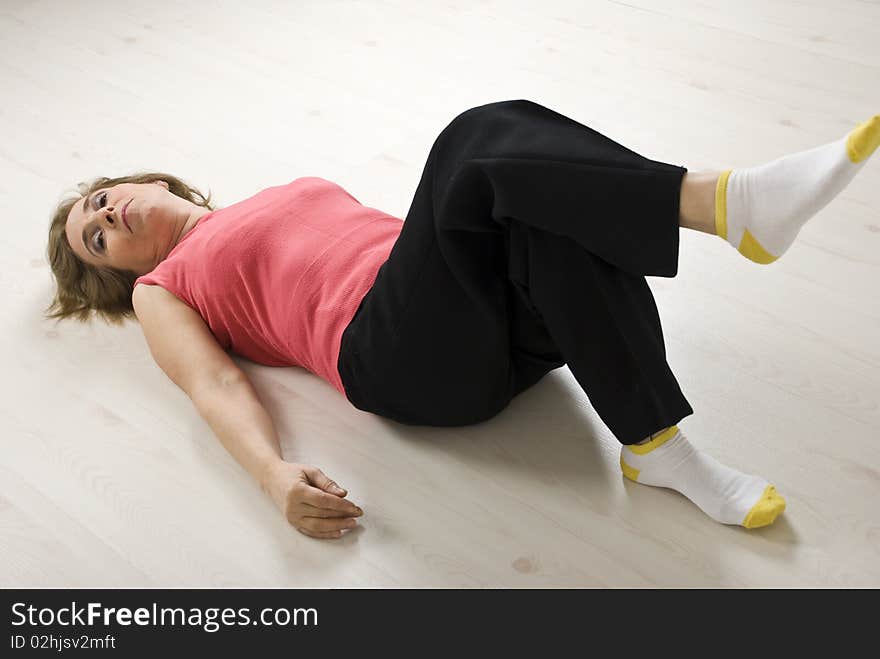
[108,214]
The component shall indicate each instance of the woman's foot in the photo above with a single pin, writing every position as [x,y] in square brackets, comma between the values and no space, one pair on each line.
[760,210]
[726,495]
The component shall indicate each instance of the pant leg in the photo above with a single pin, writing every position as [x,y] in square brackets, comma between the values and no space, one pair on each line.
[585,220]
[518,159]
[604,322]
[524,248]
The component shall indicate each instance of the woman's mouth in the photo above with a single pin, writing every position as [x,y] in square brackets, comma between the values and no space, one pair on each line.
[123,215]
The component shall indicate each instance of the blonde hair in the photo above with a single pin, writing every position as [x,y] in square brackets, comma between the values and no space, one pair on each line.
[84,290]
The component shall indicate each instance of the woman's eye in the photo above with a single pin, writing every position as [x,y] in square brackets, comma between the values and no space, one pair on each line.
[99,235]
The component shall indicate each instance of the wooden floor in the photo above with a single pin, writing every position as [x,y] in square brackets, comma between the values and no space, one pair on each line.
[109,477]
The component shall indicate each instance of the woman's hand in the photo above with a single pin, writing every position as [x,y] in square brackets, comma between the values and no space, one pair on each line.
[309,500]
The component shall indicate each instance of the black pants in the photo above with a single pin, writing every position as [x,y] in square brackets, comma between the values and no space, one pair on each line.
[525,248]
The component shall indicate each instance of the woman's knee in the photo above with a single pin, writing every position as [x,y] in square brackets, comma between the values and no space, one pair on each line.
[489,111]
[475,132]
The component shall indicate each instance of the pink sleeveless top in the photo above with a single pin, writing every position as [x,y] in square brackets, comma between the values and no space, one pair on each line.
[278,277]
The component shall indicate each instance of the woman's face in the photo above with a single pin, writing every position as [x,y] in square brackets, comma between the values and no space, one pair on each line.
[130,226]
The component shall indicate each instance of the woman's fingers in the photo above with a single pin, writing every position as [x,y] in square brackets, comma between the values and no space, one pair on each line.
[323,525]
[323,481]
[319,499]
[312,511]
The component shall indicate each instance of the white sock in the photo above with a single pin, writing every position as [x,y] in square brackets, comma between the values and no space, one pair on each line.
[726,495]
[760,210]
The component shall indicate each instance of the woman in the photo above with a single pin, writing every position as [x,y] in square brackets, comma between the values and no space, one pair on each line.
[525,248]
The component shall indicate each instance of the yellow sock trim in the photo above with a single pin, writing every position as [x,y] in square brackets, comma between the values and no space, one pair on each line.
[752,249]
[629,472]
[721,204]
[647,447]
[864,139]
[769,507]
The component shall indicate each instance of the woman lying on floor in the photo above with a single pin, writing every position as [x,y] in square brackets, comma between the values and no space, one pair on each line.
[525,248]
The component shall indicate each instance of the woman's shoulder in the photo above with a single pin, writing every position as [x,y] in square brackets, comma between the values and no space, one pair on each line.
[148,291]
[146,297]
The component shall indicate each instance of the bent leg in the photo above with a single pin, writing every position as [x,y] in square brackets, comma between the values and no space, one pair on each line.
[518,159]
[524,248]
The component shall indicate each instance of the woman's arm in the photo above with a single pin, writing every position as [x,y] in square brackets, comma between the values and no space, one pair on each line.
[242,424]
[183,347]
[309,500]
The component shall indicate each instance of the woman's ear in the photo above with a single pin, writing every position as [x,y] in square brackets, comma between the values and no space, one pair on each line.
[162,182]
